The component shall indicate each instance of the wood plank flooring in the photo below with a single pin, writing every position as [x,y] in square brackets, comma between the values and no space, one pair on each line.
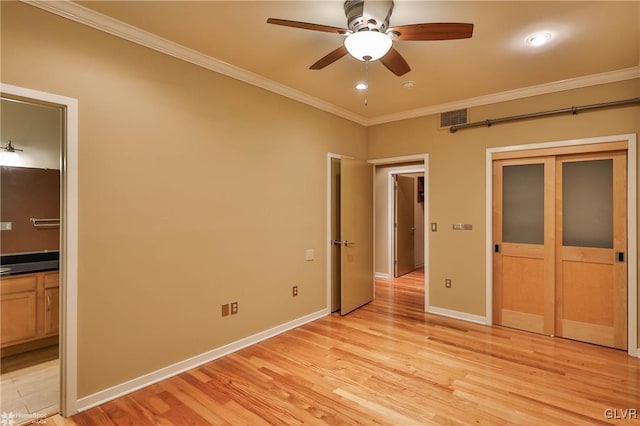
[390,363]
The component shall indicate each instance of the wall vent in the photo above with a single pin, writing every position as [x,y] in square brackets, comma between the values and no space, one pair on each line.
[453,118]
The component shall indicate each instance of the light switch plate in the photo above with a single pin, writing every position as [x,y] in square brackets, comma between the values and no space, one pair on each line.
[6,226]
[310,254]
[462,227]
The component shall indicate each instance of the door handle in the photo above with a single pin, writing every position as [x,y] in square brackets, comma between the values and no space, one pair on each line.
[496,248]
[620,256]
[348,243]
[48,303]
[336,242]
[345,243]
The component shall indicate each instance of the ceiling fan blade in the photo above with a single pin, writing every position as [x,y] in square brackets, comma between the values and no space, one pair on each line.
[330,58]
[395,62]
[433,31]
[307,26]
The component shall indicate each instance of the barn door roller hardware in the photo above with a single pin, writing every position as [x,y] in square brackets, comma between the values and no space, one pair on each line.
[573,110]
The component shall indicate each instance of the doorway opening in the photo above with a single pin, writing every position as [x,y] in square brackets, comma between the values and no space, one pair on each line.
[49,291]
[406,222]
[369,214]
[413,170]
[29,256]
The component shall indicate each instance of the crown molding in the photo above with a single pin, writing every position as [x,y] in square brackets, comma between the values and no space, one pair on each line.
[75,12]
[510,95]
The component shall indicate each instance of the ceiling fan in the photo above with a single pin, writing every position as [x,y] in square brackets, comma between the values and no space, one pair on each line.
[369,38]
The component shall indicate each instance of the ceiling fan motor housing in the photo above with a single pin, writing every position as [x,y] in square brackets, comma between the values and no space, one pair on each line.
[373,15]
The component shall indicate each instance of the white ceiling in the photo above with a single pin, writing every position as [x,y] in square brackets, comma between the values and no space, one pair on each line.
[589,38]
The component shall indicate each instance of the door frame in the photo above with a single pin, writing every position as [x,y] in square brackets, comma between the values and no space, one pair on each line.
[68,240]
[424,169]
[380,162]
[391,214]
[632,247]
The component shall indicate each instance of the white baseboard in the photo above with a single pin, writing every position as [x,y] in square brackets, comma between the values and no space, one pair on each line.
[179,367]
[383,275]
[479,319]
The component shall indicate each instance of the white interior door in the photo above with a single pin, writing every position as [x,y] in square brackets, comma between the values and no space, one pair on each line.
[356,231]
[404,226]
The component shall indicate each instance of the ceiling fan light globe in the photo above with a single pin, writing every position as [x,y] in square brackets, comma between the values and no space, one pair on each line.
[371,44]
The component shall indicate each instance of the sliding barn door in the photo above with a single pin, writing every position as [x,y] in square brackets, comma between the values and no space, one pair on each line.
[559,232]
[523,244]
[591,236]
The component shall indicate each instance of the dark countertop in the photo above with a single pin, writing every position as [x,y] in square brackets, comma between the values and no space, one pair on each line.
[17,264]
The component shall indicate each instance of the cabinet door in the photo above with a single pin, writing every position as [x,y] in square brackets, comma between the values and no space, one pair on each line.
[52,311]
[18,317]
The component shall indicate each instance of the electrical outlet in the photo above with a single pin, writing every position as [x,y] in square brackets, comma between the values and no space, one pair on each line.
[234,308]
[225,310]
[295,290]
[447,282]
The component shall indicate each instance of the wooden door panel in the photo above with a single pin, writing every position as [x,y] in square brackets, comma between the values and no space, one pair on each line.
[522,284]
[591,283]
[581,282]
[588,254]
[523,293]
[588,332]
[523,271]
[573,285]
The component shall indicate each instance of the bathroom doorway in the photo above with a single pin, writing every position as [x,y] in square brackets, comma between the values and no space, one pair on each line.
[31,138]
[64,315]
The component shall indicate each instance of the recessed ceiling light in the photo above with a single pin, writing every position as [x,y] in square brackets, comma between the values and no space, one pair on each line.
[538,39]
[362,86]
[409,84]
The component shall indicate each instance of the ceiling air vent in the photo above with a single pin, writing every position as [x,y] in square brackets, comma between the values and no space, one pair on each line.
[453,118]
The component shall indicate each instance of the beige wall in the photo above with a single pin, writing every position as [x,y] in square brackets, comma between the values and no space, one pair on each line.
[457,173]
[194,190]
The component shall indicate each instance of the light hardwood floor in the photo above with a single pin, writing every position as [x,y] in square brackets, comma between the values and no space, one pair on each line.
[390,363]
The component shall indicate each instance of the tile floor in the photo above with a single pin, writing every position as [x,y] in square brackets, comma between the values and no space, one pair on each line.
[30,393]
